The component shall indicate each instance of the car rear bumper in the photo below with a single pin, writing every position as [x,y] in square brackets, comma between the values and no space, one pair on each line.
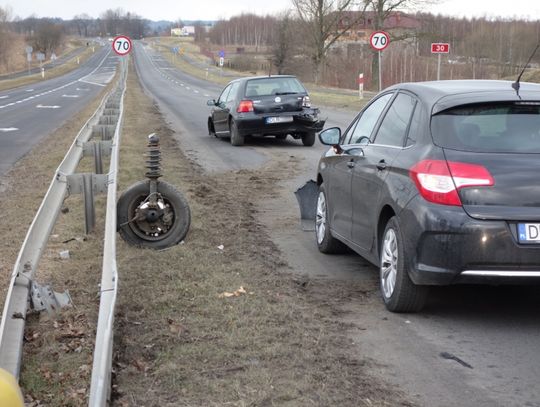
[298,122]
[448,246]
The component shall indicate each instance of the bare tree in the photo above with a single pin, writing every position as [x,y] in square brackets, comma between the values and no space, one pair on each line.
[47,37]
[282,49]
[5,36]
[380,11]
[325,21]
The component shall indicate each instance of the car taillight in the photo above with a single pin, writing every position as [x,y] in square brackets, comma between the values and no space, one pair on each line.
[438,181]
[306,102]
[245,106]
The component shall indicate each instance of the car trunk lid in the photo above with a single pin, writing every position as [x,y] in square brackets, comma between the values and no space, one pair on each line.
[280,103]
[515,193]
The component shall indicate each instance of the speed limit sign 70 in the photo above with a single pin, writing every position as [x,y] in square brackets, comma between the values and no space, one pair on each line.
[379,40]
[122,45]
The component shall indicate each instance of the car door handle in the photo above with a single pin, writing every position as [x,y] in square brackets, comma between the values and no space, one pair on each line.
[351,164]
[381,165]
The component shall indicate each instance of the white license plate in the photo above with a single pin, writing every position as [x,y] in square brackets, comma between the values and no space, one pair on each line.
[529,232]
[279,119]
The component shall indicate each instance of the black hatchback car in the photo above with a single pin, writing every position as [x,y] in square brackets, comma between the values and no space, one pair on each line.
[436,183]
[264,106]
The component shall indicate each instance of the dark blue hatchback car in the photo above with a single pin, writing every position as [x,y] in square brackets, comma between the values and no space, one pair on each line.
[436,183]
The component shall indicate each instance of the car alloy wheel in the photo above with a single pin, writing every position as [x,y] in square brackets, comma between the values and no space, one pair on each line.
[320,219]
[389,263]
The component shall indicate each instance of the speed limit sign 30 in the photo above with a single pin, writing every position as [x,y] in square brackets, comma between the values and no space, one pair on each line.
[122,45]
[379,40]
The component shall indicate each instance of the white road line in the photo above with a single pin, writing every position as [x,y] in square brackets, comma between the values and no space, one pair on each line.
[188,88]
[3,97]
[83,89]
[29,90]
[6,129]
[70,96]
[48,107]
[196,91]
[206,95]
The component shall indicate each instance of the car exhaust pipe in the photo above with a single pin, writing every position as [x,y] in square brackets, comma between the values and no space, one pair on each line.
[307,200]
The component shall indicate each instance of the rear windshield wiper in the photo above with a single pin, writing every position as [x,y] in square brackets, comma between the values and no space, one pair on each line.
[286,93]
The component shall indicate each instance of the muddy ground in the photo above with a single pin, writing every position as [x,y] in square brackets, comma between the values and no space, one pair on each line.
[218,320]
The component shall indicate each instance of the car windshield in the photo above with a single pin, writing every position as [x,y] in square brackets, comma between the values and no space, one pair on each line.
[511,127]
[274,86]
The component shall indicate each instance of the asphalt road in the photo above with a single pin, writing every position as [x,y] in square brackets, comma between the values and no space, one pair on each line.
[29,113]
[472,346]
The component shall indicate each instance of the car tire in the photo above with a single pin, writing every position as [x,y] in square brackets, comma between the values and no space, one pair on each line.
[236,138]
[398,291]
[326,243]
[308,139]
[133,231]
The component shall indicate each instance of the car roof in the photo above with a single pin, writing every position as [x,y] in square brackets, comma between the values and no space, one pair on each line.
[442,95]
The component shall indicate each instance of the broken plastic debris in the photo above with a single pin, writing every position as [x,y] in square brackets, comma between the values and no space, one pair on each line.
[236,293]
[64,254]
[221,247]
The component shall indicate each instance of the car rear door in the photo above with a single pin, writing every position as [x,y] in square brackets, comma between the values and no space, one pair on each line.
[220,112]
[370,173]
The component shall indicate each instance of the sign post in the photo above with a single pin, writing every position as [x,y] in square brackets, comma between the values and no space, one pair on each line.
[29,50]
[379,40]
[361,85]
[439,48]
[122,45]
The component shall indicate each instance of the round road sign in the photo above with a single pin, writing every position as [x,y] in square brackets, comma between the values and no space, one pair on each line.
[122,45]
[379,40]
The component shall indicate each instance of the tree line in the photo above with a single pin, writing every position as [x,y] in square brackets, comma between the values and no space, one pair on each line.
[313,40]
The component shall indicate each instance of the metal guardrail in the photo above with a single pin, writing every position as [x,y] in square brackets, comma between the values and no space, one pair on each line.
[101,369]
[66,182]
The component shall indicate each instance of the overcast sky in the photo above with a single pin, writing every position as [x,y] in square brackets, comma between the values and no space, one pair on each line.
[216,9]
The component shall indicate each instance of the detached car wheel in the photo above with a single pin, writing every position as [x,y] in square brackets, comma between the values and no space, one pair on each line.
[399,293]
[160,226]
[308,139]
[325,241]
[236,138]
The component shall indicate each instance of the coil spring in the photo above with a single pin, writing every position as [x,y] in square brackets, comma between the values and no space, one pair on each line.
[153,155]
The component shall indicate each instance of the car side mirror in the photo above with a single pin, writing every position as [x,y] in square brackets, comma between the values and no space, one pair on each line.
[330,136]
[211,102]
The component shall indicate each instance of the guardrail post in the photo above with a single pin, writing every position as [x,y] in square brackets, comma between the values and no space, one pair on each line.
[89,207]
[88,184]
[98,161]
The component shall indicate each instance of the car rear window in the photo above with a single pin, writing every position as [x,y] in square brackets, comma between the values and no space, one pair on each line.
[273,86]
[512,127]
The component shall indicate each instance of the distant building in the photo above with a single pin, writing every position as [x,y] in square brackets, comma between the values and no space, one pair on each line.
[185,31]
[398,23]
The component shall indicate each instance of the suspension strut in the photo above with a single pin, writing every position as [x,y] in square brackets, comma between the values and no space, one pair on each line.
[153,165]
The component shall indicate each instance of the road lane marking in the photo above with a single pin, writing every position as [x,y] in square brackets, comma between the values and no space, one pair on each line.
[3,97]
[6,129]
[70,96]
[29,90]
[83,89]
[48,107]
[196,91]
